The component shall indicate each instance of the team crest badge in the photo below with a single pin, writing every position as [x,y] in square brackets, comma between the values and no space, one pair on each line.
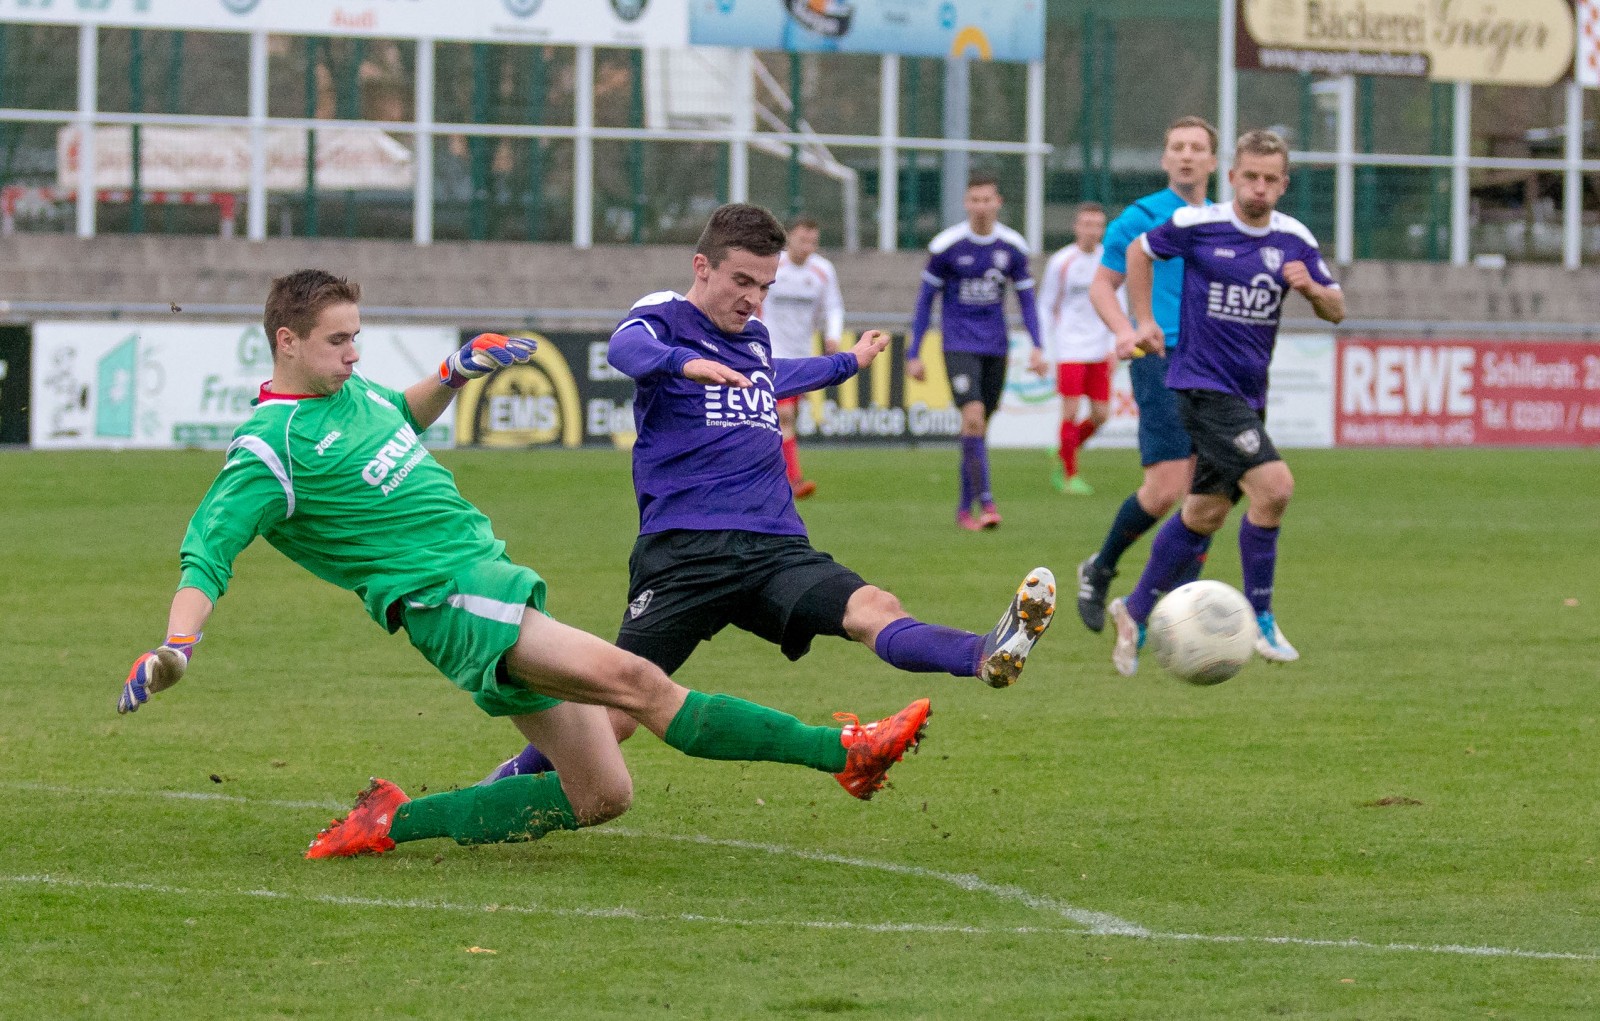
[1272,258]
[761,355]
[1248,442]
[638,606]
[1002,260]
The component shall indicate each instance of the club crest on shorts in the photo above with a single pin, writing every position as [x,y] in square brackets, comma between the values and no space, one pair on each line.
[638,606]
[961,383]
[1248,442]
[1272,258]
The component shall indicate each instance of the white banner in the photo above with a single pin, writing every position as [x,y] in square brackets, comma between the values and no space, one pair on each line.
[558,22]
[161,385]
[1299,399]
[218,159]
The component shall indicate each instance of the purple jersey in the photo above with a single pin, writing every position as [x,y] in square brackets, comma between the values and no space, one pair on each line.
[969,271]
[709,457]
[1232,294]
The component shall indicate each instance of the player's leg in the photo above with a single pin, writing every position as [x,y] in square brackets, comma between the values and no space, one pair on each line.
[1184,537]
[965,373]
[1069,387]
[1164,451]
[788,413]
[1269,487]
[992,385]
[1097,388]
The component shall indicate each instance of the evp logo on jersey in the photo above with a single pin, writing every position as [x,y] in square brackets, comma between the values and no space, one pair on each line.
[1255,303]
[753,405]
[985,290]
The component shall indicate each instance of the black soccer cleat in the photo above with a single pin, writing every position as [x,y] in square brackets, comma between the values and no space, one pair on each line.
[1094,583]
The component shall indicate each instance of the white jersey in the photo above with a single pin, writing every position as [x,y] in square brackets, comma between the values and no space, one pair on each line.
[802,300]
[1073,331]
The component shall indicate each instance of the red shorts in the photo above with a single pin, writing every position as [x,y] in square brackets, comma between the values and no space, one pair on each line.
[1084,379]
[789,402]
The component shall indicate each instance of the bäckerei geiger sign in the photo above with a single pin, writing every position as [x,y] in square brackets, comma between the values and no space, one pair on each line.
[1500,42]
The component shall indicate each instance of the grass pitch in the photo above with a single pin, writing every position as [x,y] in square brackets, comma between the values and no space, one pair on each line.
[1402,825]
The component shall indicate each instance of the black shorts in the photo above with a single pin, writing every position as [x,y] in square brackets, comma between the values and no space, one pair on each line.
[976,378]
[684,587]
[1230,437]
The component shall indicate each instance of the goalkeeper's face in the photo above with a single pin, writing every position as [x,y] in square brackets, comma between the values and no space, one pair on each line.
[320,362]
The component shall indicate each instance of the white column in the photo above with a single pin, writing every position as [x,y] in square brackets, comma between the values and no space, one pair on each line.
[1034,202]
[888,153]
[583,152]
[744,125]
[1344,175]
[256,188]
[1227,97]
[1572,182]
[422,147]
[955,163]
[88,77]
[1460,182]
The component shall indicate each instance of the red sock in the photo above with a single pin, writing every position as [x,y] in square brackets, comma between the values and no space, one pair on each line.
[1086,429]
[791,458]
[1069,448]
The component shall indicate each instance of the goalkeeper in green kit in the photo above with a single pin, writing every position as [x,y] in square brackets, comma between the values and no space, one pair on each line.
[329,470]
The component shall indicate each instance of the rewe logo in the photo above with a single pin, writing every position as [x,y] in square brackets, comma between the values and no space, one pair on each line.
[1407,379]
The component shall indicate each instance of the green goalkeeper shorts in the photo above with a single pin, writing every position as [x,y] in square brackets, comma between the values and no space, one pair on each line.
[466,625]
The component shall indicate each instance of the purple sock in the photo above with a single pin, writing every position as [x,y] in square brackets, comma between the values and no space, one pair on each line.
[909,644]
[527,762]
[975,452]
[967,475]
[1258,555]
[1174,550]
[1194,570]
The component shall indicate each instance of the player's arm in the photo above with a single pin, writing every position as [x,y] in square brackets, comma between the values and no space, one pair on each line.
[795,376]
[1028,301]
[932,282]
[487,352]
[246,497]
[832,314]
[1141,280]
[636,352]
[1325,295]
[1112,274]
[1050,288]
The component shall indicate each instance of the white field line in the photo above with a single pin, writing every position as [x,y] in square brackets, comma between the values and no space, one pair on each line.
[1093,923]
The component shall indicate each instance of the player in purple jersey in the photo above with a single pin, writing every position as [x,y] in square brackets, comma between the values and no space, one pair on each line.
[720,542]
[1238,260]
[969,265]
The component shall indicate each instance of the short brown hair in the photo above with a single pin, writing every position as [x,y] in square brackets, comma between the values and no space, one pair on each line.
[1192,121]
[1088,207]
[806,221]
[1262,142]
[296,300]
[981,179]
[745,227]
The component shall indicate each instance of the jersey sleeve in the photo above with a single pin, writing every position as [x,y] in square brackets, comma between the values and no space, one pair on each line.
[1118,237]
[795,376]
[638,351]
[832,308]
[398,399]
[1051,285]
[1318,267]
[1168,241]
[251,494]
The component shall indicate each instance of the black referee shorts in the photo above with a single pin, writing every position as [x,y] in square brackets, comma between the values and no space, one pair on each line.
[1230,437]
[684,587]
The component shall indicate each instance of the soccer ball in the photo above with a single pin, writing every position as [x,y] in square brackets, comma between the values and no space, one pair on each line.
[1202,632]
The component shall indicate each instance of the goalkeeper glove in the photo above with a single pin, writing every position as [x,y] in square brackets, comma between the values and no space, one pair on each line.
[482,355]
[155,671]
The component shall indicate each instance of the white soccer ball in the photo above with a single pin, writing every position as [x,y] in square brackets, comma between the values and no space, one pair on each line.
[1202,632]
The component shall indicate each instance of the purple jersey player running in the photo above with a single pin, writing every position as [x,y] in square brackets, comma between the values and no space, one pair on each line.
[719,540]
[969,265]
[1238,260]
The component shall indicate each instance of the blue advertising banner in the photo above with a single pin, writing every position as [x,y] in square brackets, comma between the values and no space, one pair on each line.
[981,29]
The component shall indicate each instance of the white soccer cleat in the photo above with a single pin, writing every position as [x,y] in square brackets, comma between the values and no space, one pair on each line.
[1270,644]
[1006,648]
[1130,635]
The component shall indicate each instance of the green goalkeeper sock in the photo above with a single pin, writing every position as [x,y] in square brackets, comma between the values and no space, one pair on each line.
[515,808]
[724,727]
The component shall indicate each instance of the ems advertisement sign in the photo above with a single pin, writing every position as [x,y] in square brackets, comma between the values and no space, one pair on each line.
[187,385]
[1495,42]
[1467,393]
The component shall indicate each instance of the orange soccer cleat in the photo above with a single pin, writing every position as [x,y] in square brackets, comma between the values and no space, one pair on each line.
[365,830]
[802,488]
[874,747]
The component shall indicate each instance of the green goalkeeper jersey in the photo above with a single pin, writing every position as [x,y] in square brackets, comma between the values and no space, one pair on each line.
[342,486]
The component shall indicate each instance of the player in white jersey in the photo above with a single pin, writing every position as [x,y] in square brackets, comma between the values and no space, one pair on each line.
[1078,341]
[803,300]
